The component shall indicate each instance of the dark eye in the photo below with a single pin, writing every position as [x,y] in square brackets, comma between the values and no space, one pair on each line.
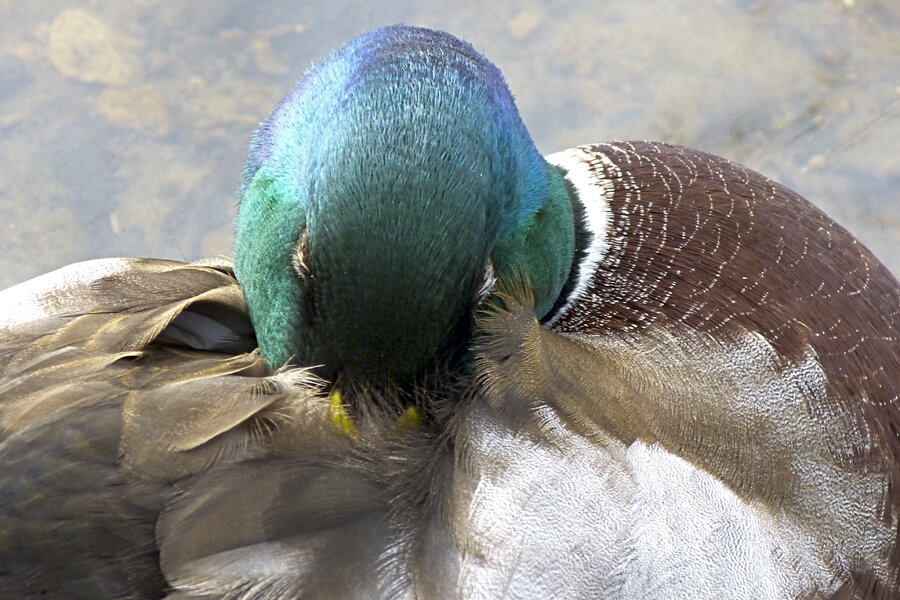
[300,259]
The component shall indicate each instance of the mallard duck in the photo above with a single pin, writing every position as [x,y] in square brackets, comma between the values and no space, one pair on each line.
[445,366]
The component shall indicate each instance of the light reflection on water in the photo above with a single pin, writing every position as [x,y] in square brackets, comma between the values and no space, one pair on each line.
[135,147]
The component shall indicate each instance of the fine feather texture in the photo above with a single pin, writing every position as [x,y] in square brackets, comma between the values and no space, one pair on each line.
[398,163]
[201,473]
[100,415]
[696,242]
[709,409]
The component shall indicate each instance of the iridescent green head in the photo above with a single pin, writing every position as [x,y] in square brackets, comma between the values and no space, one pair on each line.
[378,198]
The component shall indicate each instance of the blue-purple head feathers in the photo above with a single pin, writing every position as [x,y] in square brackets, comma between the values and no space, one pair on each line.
[411,92]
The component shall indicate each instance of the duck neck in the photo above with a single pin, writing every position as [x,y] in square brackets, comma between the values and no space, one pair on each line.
[265,238]
[541,245]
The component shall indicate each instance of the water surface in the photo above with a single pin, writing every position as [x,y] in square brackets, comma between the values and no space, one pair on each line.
[123,125]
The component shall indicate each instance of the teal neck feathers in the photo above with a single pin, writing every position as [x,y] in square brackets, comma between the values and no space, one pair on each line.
[374,199]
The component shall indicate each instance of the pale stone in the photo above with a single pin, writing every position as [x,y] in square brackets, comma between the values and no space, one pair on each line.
[266,59]
[140,107]
[84,49]
[524,23]
[816,161]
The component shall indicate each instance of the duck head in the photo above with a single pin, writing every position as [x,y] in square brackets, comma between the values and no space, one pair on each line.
[379,200]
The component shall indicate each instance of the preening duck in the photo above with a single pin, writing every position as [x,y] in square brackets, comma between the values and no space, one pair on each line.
[443,365]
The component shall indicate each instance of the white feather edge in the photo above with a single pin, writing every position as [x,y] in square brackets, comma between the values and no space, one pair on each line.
[27,301]
[594,192]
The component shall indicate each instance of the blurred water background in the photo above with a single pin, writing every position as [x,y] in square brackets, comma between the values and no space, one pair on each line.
[123,126]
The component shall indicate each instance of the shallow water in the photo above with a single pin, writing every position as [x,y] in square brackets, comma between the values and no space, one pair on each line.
[123,125]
